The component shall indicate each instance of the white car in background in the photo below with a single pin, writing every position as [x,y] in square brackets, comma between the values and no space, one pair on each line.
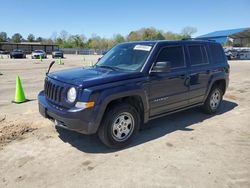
[38,53]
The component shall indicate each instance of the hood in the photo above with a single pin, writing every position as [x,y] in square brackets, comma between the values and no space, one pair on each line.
[87,77]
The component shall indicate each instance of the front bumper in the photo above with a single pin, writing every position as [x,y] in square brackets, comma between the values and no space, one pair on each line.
[18,55]
[37,56]
[58,55]
[78,120]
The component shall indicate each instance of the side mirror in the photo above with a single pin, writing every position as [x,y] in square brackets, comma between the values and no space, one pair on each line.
[162,67]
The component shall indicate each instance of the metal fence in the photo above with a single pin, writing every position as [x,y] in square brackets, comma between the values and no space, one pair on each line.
[27,47]
[82,51]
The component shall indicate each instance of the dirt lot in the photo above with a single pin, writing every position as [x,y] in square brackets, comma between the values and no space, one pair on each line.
[188,149]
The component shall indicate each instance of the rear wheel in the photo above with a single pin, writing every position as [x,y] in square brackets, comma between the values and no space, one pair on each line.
[213,100]
[120,124]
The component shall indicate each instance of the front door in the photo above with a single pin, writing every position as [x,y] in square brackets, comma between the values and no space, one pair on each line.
[169,90]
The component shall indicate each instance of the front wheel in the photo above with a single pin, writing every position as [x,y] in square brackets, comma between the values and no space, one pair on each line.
[120,124]
[213,100]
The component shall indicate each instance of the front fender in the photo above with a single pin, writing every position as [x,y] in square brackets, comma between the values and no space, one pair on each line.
[108,95]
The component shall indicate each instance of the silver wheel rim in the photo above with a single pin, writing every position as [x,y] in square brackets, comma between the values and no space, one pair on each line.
[215,99]
[123,126]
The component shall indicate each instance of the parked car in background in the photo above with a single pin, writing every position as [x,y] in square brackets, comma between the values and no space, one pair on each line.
[57,53]
[244,54]
[17,53]
[38,53]
[3,51]
[231,54]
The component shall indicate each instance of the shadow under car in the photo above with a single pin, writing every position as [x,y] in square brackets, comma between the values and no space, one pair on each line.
[154,129]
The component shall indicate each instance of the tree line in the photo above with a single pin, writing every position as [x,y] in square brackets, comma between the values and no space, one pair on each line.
[66,40]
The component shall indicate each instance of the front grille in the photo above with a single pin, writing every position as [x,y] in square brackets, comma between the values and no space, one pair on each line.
[52,91]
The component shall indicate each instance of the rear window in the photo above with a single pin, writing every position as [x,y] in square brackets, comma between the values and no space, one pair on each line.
[198,55]
[173,54]
[217,54]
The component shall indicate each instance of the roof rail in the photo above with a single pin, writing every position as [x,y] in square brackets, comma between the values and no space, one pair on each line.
[205,39]
[187,39]
[199,39]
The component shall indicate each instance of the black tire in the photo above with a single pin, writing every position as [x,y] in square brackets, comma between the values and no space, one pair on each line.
[106,132]
[208,106]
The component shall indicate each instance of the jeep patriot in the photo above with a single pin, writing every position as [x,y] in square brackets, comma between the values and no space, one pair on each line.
[133,83]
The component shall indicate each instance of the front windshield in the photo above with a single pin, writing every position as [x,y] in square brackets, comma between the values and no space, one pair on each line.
[17,50]
[126,57]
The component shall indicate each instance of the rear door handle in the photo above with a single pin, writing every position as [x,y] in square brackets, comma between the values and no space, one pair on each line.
[194,74]
[182,76]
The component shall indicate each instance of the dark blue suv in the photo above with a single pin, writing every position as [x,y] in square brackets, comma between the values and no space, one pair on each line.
[133,83]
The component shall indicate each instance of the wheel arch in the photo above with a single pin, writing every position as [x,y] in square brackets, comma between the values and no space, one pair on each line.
[220,83]
[136,98]
[218,79]
[133,100]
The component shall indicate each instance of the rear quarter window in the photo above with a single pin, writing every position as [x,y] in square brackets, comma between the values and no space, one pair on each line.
[217,54]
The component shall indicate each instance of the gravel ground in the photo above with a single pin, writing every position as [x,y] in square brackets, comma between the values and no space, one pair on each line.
[187,149]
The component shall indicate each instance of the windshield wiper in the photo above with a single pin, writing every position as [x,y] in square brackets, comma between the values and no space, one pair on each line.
[107,67]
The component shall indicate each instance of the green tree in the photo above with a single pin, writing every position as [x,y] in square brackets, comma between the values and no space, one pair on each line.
[173,36]
[31,38]
[39,39]
[145,34]
[118,38]
[95,42]
[59,42]
[77,40]
[3,36]
[151,34]
[134,36]
[17,37]
[188,31]
[64,35]
[48,41]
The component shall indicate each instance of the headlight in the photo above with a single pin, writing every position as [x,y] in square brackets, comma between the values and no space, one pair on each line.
[71,95]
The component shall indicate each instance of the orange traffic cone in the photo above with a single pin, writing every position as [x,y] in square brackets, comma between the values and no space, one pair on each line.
[20,96]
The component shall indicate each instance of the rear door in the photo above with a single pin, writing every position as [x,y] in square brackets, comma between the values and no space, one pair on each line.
[199,72]
[168,91]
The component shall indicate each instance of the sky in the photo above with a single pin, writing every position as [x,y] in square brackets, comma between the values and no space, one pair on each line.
[47,18]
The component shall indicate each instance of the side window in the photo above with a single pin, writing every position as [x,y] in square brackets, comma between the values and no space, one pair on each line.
[174,54]
[198,55]
[216,53]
